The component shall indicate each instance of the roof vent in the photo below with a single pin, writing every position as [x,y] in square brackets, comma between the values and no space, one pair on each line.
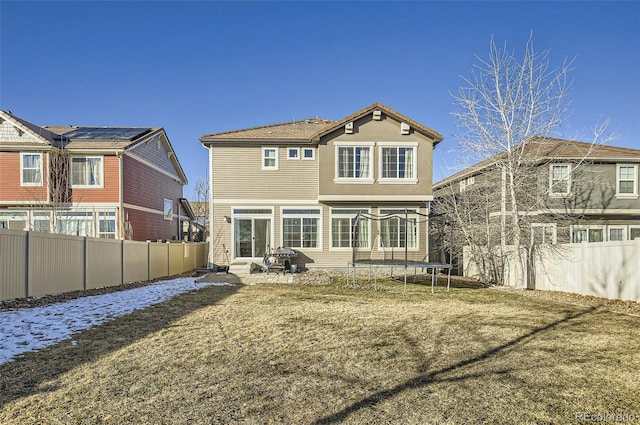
[404,128]
[377,115]
[348,128]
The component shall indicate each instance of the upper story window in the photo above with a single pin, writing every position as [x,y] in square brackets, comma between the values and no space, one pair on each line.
[269,158]
[308,153]
[398,163]
[627,180]
[31,169]
[87,171]
[560,179]
[465,183]
[293,153]
[354,163]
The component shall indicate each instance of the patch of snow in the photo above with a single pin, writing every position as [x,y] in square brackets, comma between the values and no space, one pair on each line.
[31,329]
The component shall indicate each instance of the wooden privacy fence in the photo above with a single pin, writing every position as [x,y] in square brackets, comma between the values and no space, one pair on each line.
[601,269]
[36,263]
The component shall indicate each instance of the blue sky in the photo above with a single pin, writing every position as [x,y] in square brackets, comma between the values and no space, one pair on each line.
[205,66]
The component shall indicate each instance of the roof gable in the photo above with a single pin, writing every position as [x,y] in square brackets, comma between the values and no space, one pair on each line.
[26,133]
[434,135]
[310,130]
[156,149]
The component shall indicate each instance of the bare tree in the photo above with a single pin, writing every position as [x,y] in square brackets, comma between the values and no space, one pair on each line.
[507,111]
[200,205]
[58,197]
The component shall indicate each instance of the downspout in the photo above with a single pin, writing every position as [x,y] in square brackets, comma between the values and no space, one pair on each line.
[120,214]
[179,236]
[211,222]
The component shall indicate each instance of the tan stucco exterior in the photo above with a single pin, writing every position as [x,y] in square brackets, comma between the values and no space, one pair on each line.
[378,133]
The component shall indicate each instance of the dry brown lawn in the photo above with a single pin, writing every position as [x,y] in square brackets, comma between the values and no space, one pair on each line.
[316,354]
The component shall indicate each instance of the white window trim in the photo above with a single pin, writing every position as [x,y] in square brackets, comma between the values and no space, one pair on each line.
[303,207]
[415,211]
[8,216]
[575,228]
[297,155]
[251,215]
[354,180]
[40,216]
[88,186]
[313,154]
[632,226]
[633,195]
[612,227]
[396,180]
[167,205]
[466,182]
[332,215]
[563,194]
[554,226]
[99,218]
[269,148]
[22,182]
[66,216]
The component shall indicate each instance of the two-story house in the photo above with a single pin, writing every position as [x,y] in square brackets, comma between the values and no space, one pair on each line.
[571,192]
[109,182]
[300,185]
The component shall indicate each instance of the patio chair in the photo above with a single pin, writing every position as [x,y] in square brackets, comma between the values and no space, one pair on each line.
[272,264]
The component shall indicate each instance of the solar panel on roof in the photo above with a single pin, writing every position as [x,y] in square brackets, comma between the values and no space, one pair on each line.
[106,133]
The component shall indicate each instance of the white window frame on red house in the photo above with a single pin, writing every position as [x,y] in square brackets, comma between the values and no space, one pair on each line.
[38,169]
[87,172]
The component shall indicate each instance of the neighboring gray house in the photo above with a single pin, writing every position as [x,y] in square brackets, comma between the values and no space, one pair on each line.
[579,192]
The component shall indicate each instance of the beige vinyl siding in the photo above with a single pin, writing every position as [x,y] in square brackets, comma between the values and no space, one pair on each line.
[237,174]
[220,233]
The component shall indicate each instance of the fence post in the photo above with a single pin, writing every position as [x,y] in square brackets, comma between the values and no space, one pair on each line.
[86,262]
[27,275]
[121,261]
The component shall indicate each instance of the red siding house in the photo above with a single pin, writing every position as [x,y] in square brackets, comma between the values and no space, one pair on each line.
[108,182]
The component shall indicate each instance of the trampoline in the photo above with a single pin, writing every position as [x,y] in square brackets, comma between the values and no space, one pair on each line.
[404,225]
[435,267]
